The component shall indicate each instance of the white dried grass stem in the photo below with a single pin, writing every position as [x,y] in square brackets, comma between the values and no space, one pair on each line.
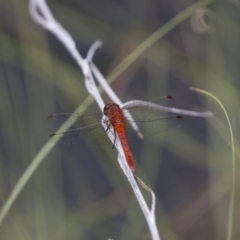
[149,215]
[47,21]
[93,49]
[112,95]
[149,190]
[140,103]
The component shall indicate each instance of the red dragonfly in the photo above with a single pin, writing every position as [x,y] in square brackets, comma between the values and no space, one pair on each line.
[146,115]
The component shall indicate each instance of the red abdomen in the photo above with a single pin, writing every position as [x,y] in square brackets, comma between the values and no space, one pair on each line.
[129,157]
[118,121]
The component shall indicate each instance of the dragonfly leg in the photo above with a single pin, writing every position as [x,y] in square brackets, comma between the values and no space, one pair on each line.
[108,127]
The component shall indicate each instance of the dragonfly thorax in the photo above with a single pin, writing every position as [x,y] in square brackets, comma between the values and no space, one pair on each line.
[114,114]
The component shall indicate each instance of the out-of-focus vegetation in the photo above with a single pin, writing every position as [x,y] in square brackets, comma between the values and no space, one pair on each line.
[79,192]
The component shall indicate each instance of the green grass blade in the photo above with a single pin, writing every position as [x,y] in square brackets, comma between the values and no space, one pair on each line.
[231,203]
[156,36]
[35,163]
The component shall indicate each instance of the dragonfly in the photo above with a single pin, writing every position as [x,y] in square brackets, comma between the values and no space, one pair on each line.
[88,127]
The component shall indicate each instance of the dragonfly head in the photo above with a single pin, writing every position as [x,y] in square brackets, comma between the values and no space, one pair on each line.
[109,107]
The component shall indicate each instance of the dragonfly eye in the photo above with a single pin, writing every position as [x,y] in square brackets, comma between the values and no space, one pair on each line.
[110,107]
[106,108]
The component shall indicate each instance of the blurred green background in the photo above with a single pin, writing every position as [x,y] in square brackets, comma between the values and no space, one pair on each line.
[79,192]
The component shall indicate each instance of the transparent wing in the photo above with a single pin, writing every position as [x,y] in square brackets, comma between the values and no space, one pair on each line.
[77,119]
[86,128]
[152,118]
